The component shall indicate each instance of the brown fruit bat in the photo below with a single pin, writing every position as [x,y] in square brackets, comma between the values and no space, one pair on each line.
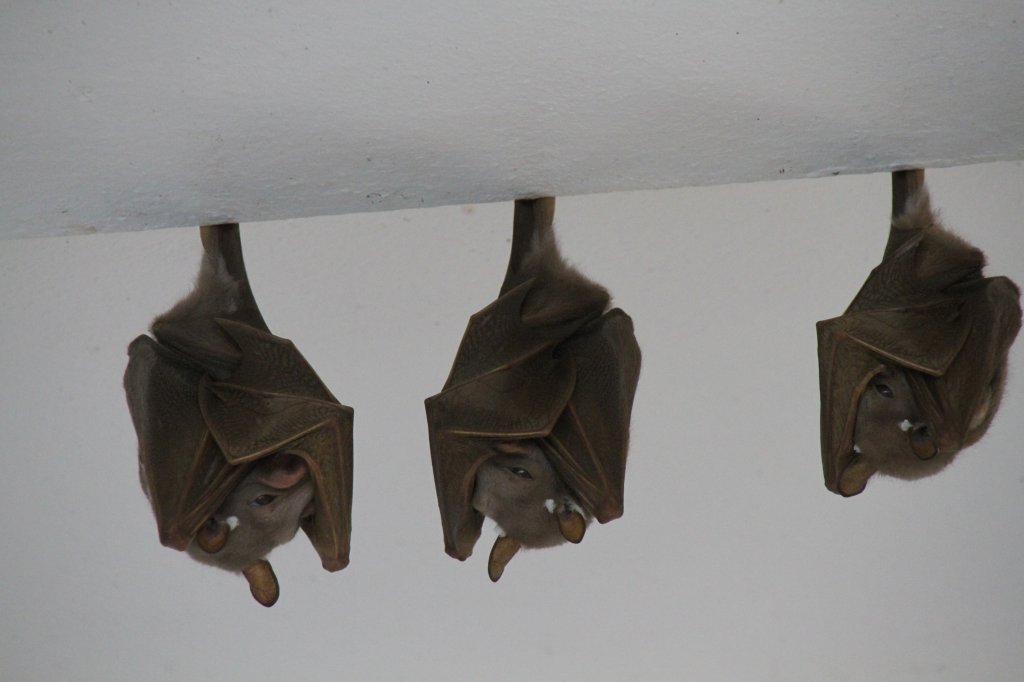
[914,370]
[240,443]
[532,426]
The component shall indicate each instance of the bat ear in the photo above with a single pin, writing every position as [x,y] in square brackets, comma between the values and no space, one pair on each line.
[854,477]
[212,537]
[284,470]
[501,553]
[572,524]
[262,582]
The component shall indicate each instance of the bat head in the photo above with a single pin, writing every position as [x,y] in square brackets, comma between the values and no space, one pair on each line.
[893,435]
[263,511]
[520,491]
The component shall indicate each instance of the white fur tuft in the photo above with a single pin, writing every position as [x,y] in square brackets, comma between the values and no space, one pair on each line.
[571,505]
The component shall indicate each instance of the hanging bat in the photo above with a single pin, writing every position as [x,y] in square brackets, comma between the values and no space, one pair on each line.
[532,426]
[913,371]
[240,443]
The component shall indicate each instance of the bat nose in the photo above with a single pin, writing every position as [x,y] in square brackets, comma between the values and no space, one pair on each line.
[927,444]
[921,441]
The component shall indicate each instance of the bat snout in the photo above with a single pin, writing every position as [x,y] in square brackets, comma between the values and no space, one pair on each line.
[922,444]
[926,444]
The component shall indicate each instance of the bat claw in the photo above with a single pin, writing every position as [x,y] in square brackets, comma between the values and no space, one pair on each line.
[501,553]
[263,583]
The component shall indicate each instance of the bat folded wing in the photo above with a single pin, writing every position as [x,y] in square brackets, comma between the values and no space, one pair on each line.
[966,396]
[275,402]
[844,370]
[498,337]
[182,471]
[926,338]
[272,364]
[590,441]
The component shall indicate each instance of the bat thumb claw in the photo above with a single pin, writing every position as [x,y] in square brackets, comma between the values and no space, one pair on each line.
[572,525]
[262,582]
[854,477]
[501,553]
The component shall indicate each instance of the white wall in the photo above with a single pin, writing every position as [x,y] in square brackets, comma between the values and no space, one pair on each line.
[156,113]
[732,561]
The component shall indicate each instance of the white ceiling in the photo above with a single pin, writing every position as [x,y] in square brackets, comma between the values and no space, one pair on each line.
[129,115]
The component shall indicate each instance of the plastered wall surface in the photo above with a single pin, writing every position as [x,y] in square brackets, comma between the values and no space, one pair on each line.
[732,561]
[127,115]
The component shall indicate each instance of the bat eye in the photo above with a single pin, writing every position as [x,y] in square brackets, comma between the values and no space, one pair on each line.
[520,472]
[884,390]
[262,500]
